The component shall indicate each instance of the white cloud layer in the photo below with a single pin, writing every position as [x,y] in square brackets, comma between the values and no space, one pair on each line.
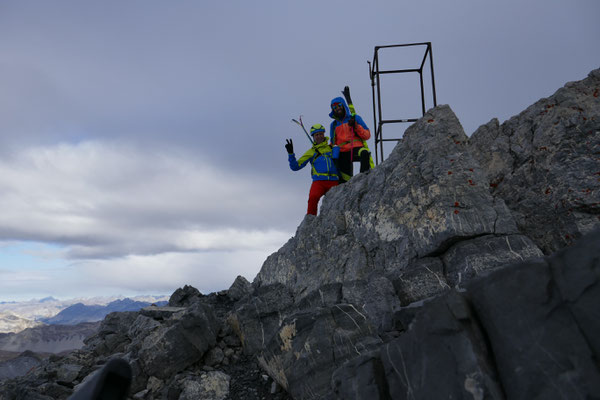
[135,221]
[158,274]
[109,200]
[205,271]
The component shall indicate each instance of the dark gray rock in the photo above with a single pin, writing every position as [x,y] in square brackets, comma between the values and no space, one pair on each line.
[420,280]
[232,341]
[577,275]
[471,258]
[443,354]
[172,348]
[161,313]
[360,378]
[309,346]
[529,330]
[214,357]
[68,372]
[140,378]
[376,297]
[212,385]
[142,326]
[18,366]
[240,288]
[112,336]
[327,295]
[257,319]
[545,164]
[12,392]
[443,345]
[184,296]
[542,325]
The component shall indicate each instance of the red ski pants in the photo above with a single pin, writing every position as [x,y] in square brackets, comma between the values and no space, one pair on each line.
[318,190]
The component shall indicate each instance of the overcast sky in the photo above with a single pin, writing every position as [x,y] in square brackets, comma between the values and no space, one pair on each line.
[141,142]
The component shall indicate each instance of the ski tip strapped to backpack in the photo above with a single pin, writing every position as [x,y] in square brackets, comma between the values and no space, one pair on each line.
[346,93]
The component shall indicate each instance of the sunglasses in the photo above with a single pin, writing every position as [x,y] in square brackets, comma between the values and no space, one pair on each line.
[336,105]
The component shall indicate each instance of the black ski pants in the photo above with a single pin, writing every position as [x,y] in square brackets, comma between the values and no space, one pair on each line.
[346,158]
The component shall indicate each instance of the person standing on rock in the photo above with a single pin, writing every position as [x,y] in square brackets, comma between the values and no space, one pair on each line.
[324,172]
[350,133]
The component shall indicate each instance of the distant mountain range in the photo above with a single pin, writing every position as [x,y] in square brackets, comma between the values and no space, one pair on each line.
[48,299]
[24,342]
[17,316]
[62,332]
[79,312]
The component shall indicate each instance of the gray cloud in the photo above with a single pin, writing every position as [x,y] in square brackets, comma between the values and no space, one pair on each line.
[111,197]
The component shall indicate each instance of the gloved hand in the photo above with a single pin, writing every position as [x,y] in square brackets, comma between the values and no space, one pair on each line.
[352,121]
[289,146]
[346,93]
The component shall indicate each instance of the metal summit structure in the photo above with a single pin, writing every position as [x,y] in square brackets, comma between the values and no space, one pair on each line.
[375,75]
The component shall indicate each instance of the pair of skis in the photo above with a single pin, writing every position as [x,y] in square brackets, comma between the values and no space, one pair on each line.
[301,125]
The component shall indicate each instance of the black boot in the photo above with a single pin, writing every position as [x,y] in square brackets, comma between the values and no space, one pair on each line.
[365,161]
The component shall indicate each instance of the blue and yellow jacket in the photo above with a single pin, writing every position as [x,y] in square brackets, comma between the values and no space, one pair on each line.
[342,134]
[319,156]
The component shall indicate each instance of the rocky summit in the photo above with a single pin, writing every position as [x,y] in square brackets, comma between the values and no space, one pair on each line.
[461,267]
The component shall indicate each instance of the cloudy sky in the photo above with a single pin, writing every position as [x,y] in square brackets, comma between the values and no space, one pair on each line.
[141,142]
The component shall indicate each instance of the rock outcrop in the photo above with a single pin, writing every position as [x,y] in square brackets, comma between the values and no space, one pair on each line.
[522,332]
[184,351]
[442,273]
[545,163]
[334,310]
[19,365]
[420,217]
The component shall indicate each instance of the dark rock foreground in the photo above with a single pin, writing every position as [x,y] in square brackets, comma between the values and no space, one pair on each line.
[463,268]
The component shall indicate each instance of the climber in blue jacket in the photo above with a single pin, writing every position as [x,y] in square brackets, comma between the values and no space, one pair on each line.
[323,170]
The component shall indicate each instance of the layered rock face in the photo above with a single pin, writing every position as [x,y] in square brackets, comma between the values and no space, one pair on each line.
[344,309]
[435,275]
[528,331]
[418,220]
[545,163]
